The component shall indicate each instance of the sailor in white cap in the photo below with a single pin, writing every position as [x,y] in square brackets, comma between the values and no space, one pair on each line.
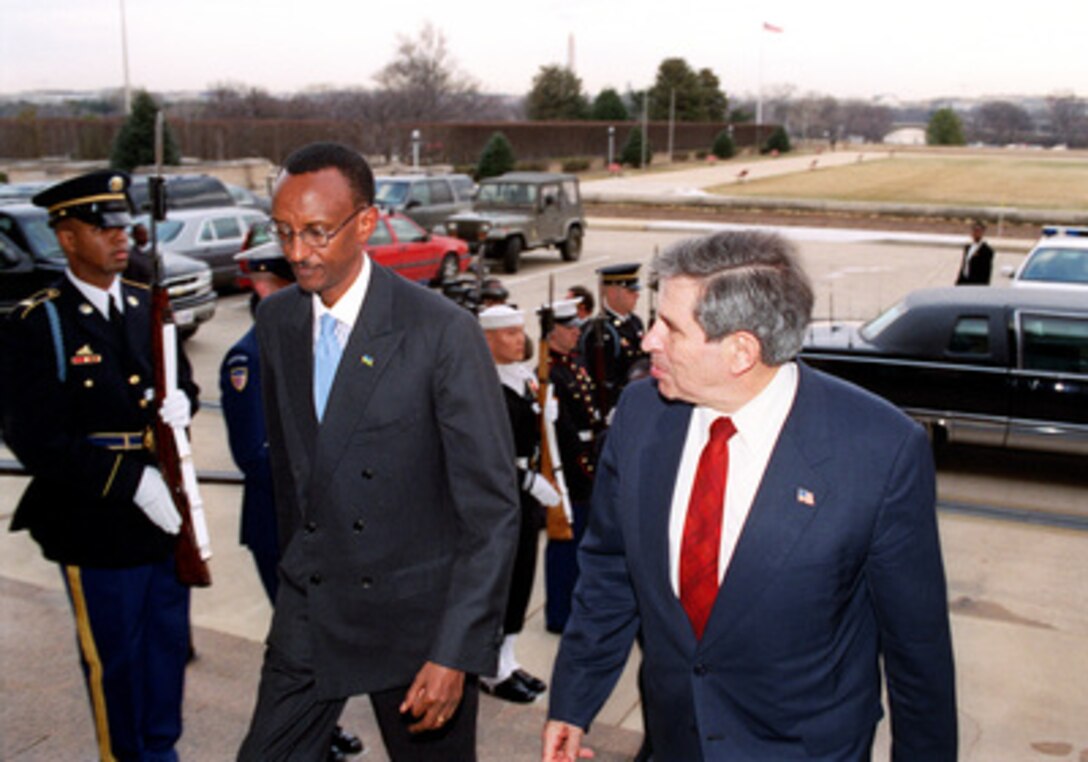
[504,329]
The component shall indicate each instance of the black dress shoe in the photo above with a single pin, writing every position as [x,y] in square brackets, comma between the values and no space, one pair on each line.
[510,689]
[535,684]
[345,742]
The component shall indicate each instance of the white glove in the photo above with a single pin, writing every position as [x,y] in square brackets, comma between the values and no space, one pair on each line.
[153,498]
[541,489]
[551,410]
[176,410]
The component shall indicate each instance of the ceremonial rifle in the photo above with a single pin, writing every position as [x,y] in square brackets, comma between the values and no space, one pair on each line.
[559,516]
[193,548]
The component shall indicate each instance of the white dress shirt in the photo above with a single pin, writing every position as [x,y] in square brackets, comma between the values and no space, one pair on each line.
[347,307]
[758,425]
[99,297]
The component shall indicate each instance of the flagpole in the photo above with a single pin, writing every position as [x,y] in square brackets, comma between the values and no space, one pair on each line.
[759,82]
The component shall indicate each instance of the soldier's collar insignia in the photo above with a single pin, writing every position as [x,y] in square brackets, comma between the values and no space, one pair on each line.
[86,356]
[85,309]
[132,301]
[239,377]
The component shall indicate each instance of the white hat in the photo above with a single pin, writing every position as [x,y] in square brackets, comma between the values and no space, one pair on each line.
[564,310]
[501,316]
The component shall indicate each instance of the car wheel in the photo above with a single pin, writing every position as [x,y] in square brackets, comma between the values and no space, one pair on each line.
[511,254]
[448,270]
[571,248]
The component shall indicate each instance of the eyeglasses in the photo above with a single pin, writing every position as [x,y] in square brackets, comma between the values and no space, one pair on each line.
[314,236]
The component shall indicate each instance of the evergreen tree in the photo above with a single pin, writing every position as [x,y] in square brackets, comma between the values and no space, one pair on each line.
[556,94]
[135,143]
[497,157]
[945,129]
[724,148]
[778,141]
[631,155]
[608,107]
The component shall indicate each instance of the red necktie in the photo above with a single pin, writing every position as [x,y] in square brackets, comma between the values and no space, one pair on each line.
[700,545]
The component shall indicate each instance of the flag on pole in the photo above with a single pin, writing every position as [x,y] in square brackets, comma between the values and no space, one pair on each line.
[772,28]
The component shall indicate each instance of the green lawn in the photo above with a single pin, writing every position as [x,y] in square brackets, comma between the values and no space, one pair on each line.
[1022,181]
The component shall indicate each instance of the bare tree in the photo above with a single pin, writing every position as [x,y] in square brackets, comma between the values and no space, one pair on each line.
[1068,122]
[424,82]
[1000,123]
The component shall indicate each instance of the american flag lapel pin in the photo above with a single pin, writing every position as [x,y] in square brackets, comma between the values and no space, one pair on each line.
[367,360]
[805,497]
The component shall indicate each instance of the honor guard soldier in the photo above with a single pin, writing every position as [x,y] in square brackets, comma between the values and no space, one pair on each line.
[79,415]
[504,329]
[578,428]
[611,343]
[240,392]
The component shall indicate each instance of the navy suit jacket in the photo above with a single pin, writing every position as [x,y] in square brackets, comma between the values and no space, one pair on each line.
[838,566]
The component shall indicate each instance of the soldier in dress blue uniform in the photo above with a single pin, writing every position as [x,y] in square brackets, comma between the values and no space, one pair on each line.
[240,392]
[611,343]
[504,329]
[578,427]
[80,415]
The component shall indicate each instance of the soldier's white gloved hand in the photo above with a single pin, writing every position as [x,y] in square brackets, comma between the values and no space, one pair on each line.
[541,489]
[176,410]
[551,410]
[153,498]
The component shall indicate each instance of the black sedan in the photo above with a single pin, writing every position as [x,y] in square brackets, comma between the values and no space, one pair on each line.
[990,366]
[31,259]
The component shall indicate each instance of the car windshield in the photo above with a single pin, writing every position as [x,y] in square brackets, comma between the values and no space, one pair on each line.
[506,194]
[166,231]
[42,239]
[390,192]
[1057,265]
[876,326]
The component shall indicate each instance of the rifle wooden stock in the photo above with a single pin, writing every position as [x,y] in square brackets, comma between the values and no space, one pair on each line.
[558,516]
[190,560]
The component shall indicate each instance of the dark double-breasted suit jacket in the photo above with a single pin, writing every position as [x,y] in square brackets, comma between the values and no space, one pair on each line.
[838,566]
[398,514]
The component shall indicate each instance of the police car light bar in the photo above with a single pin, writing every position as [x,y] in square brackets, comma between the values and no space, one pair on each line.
[1053,230]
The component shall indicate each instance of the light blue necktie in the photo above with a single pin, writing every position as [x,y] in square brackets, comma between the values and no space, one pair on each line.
[326,358]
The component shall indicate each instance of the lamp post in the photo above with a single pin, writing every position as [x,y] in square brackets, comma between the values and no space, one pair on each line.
[415,149]
[611,146]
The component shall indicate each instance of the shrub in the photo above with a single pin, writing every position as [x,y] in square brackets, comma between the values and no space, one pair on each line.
[779,142]
[724,147]
[631,155]
[497,157]
[575,165]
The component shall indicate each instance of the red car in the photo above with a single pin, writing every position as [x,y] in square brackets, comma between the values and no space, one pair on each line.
[397,243]
[403,246]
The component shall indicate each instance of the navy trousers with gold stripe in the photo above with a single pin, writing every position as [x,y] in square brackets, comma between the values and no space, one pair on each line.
[132,630]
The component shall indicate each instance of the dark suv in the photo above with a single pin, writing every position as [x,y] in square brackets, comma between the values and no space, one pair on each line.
[523,210]
[183,192]
[31,259]
[426,199]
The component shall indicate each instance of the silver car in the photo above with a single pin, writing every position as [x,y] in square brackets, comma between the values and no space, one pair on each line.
[210,235]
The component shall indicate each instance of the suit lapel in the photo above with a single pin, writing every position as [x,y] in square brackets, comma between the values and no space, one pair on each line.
[781,512]
[659,463]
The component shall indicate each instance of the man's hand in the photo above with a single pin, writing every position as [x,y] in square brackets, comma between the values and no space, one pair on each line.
[563,743]
[433,697]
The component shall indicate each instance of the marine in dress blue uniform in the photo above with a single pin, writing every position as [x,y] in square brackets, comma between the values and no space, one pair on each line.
[578,428]
[80,415]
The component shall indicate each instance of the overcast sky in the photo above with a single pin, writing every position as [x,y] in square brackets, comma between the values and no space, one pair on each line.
[846,48]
